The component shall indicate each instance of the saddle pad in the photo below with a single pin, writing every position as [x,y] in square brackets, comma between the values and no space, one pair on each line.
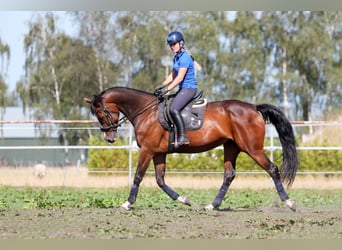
[193,114]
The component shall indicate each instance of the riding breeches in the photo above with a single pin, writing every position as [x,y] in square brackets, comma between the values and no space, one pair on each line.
[182,98]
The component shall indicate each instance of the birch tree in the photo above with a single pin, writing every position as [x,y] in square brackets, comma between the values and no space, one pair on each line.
[4,60]
[59,73]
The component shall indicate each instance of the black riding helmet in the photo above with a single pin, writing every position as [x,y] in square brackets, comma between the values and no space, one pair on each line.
[174,37]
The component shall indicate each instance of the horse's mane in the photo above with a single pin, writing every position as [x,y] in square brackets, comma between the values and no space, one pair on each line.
[92,106]
[124,88]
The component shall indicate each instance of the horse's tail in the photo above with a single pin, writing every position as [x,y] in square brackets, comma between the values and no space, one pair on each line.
[283,126]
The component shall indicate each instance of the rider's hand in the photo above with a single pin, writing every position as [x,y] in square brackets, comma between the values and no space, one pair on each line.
[159,87]
[160,90]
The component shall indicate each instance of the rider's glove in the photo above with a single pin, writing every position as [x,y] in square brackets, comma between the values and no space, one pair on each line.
[160,91]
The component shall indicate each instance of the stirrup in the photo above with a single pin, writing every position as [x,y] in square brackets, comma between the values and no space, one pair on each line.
[183,140]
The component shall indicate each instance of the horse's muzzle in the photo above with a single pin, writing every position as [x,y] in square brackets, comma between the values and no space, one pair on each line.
[110,137]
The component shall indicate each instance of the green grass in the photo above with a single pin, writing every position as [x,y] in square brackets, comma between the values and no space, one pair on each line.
[47,198]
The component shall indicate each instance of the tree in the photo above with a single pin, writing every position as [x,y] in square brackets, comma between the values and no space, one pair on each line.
[242,58]
[140,49]
[332,93]
[5,56]
[96,30]
[291,59]
[202,31]
[60,73]
[302,57]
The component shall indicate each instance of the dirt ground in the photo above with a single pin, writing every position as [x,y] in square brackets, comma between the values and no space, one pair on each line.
[178,223]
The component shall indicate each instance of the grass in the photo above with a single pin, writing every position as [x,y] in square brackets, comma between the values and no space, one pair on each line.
[19,189]
[48,198]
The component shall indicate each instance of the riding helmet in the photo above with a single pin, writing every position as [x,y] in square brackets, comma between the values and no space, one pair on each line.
[174,37]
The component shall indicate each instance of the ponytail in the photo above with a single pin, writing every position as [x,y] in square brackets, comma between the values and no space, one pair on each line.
[196,64]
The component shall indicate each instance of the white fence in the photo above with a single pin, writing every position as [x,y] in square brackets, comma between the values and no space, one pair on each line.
[16,127]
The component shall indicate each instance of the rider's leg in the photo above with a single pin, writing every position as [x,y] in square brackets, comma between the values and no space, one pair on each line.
[182,138]
[182,98]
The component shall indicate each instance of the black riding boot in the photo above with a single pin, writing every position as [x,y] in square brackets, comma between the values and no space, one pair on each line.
[182,138]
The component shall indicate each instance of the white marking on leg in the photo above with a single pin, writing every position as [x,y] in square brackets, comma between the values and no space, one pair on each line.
[181,199]
[209,207]
[291,204]
[126,205]
[184,199]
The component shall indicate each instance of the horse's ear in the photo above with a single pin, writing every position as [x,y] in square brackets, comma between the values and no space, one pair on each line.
[97,101]
[97,98]
[87,100]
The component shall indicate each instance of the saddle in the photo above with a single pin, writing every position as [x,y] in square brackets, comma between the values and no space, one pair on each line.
[192,113]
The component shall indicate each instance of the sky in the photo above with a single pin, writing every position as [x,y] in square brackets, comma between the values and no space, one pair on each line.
[13,27]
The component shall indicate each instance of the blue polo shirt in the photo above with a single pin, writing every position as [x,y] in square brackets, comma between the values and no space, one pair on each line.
[184,60]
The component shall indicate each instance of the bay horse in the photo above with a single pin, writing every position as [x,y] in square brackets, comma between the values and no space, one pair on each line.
[238,126]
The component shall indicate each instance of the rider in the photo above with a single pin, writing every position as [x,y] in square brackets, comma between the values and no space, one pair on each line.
[182,75]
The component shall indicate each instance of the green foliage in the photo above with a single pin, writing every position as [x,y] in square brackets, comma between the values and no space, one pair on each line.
[5,53]
[211,161]
[109,159]
[31,198]
[320,160]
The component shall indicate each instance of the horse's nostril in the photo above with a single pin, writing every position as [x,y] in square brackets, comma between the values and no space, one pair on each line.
[110,141]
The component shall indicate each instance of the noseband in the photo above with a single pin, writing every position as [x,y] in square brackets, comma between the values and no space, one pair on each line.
[112,125]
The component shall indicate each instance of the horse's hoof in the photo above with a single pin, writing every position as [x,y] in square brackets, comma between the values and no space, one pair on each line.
[291,205]
[185,200]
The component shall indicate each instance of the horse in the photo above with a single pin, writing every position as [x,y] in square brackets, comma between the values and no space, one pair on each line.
[238,126]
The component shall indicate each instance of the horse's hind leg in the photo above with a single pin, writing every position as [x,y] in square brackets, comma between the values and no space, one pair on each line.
[231,152]
[273,171]
[159,164]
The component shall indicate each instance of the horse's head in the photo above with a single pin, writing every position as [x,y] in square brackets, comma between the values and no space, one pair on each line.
[107,116]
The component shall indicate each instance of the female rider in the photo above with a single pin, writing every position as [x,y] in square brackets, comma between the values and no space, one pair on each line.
[183,76]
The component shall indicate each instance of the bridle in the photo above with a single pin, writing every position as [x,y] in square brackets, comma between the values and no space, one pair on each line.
[109,117]
[114,125]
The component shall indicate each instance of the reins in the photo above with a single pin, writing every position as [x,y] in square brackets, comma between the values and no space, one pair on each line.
[139,112]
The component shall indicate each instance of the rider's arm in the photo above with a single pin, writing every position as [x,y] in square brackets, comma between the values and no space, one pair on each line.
[178,79]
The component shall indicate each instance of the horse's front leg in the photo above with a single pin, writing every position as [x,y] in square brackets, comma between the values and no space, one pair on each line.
[144,161]
[160,166]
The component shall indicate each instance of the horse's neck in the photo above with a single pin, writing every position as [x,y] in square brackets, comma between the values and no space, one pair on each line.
[130,104]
